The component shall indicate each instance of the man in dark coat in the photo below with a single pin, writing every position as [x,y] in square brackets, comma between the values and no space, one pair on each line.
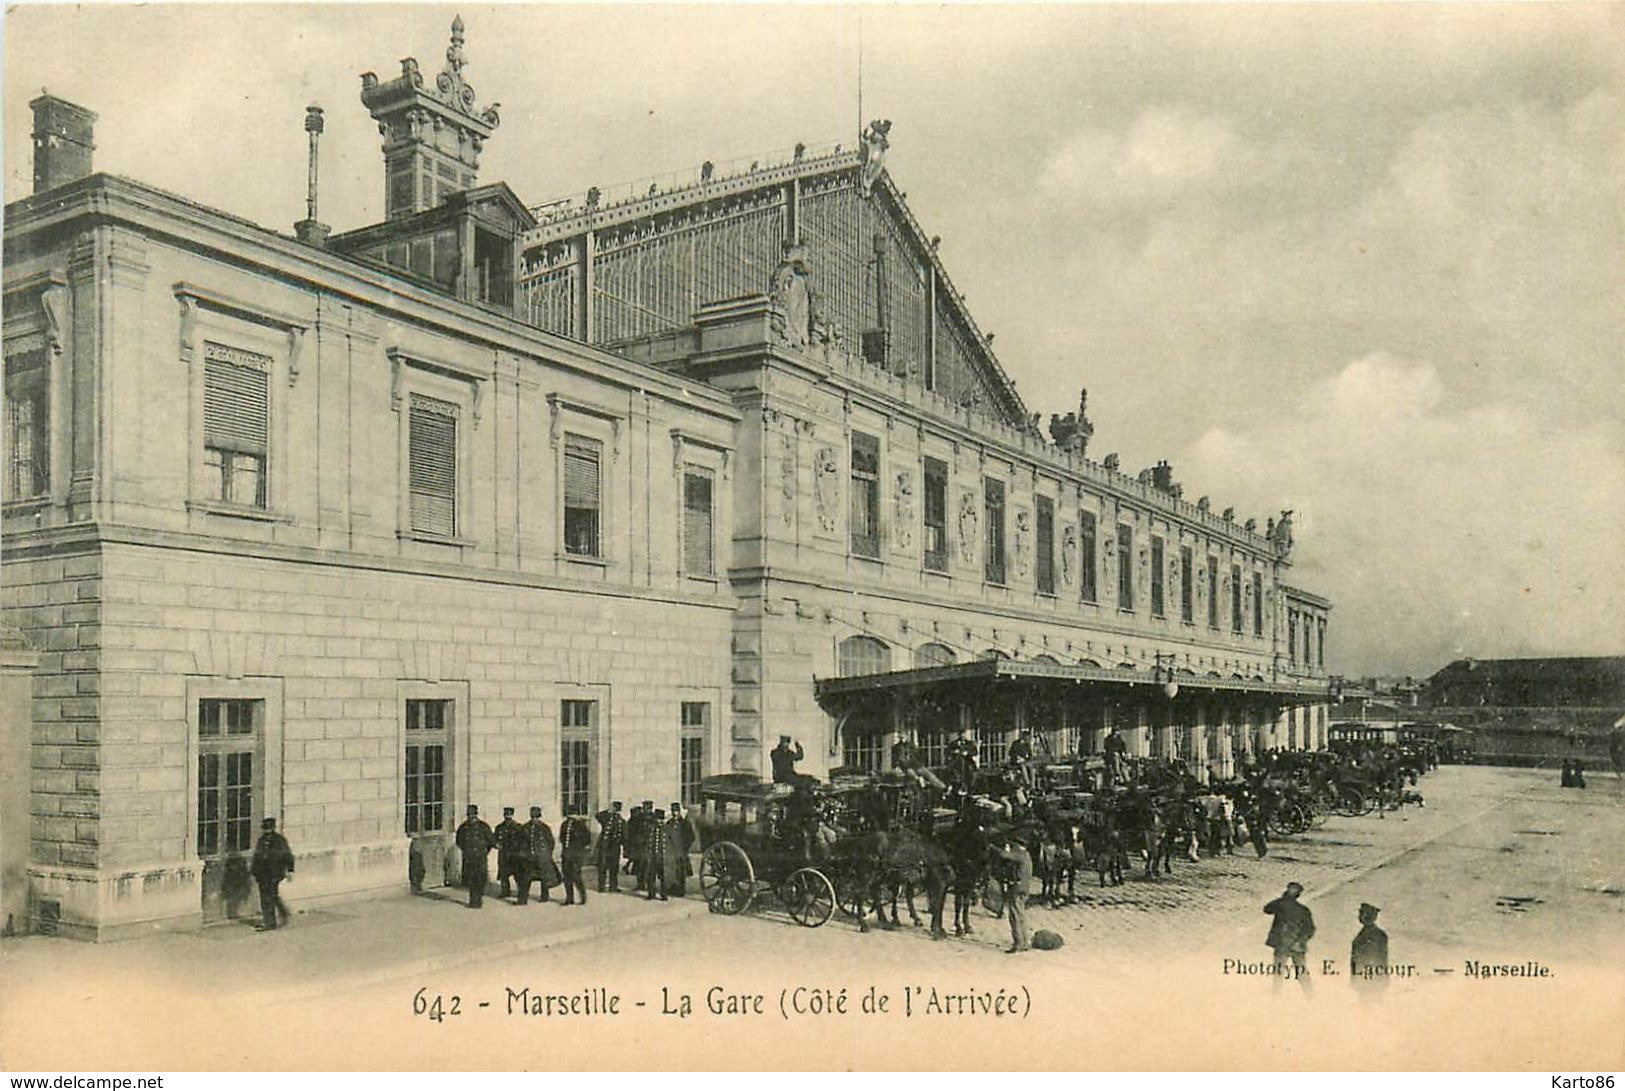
[509,849]
[1014,872]
[1368,955]
[475,840]
[655,847]
[611,836]
[1290,932]
[784,757]
[272,863]
[1116,748]
[538,866]
[637,841]
[575,842]
[681,836]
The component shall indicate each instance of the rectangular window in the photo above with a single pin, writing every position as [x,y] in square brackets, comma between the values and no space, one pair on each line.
[1044,548]
[1125,567]
[583,496]
[1212,592]
[236,424]
[692,744]
[1308,637]
[698,533]
[1187,604]
[428,740]
[992,741]
[862,750]
[432,466]
[1158,573]
[993,511]
[1089,566]
[1258,604]
[865,495]
[932,743]
[1320,646]
[28,425]
[578,730]
[936,515]
[1235,598]
[228,744]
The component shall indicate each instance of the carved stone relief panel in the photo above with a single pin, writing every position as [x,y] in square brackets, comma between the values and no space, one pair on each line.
[1069,553]
[903,511]
[787,478]
[1024,541]
[826,488]
[967,527]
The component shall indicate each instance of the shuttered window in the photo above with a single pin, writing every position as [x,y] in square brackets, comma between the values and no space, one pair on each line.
[28,425]
[697,523]
[993,518]
[583,502]
[236,424]
[936,515]
[1044,547]
[865,495]
[1088,565]
[432,466]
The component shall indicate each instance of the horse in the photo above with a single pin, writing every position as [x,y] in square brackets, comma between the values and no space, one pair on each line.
[915,861]
[967,853]
[1100,843]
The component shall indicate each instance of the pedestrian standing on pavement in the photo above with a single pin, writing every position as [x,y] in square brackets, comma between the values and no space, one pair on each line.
[611,836]
[655,848]
[475,840]
[539,866]
[509,849]
[680,838]
[272,863]
[1290,932]
[1368,954]
[1014,871]
[637,841]
[575,842]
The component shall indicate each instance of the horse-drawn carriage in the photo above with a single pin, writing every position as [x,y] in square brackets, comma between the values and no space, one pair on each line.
[760,840]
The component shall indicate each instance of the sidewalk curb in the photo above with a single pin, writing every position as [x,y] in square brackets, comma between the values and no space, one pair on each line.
[685,909]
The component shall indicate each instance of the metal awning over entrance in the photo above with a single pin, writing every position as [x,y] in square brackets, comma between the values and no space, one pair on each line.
[956,675]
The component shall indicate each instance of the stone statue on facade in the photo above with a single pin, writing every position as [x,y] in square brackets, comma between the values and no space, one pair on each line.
[826,480]
[967,527]
[1024,539]
[903,500]
[1280,535]
[790,292]
[1072,432]
[872,153]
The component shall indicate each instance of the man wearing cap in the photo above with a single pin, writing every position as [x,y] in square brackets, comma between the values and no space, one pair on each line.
[784,758]
[1368,955]
[653,870]
[637,841]
[1013,868]
[681,835]
[1290,933]
[475,841]
[537,863]
[575,841]
[510,847]
[611,835]
[272,862]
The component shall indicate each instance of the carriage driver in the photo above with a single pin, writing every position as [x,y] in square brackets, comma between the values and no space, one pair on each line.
[784,757]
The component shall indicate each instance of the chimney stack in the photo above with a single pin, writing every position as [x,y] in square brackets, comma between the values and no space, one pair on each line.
[63,142]
[310,230]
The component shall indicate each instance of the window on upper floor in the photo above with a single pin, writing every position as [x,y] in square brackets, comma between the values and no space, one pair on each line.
[865,495]
[28,425]
[1187,605]
[1125,567]
[1212,592]
[1089,563]
[1159,565]
[862,655]
[1044,548]
[236,425]
[583,496]
[936,515]
[1235,598]
[432,466]
[993,511]
[1258,604]
[698,523]
[1320,646]
[1292,636]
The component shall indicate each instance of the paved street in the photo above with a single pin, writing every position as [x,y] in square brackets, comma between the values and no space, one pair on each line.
[1501,867]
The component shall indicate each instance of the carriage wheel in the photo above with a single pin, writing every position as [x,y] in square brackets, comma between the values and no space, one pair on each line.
[1351,804]
[727,881]
[849,891]
[809,896]
[1370,803]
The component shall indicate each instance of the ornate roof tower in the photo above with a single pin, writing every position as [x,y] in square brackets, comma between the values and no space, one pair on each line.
[432,135]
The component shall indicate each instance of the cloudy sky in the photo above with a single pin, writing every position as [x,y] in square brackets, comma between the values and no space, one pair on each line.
[1363,262]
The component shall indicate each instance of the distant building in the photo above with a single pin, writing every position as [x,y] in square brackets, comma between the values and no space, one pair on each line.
[505,504]
[1536,711]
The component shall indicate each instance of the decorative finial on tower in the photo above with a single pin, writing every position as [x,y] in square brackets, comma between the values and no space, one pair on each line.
[454,52]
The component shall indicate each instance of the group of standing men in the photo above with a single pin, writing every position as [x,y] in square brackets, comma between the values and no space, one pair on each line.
[656,848]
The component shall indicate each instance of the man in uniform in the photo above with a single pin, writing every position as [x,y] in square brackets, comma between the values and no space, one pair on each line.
[475,841]
[611,834]
[575,841]
[1014,870]
[510,848]
[784,758]
[1116,748]
[637,841]
[1290,932]
[272,862]
[538,858]
[681,834]
[1368,955]
[654,856]
[962,761]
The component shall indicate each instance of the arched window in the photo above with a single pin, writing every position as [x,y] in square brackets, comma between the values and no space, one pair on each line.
[933,655]
[993,653]
[1046,658]
[863,655]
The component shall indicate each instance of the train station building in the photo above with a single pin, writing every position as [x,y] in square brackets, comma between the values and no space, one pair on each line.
[505,504]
